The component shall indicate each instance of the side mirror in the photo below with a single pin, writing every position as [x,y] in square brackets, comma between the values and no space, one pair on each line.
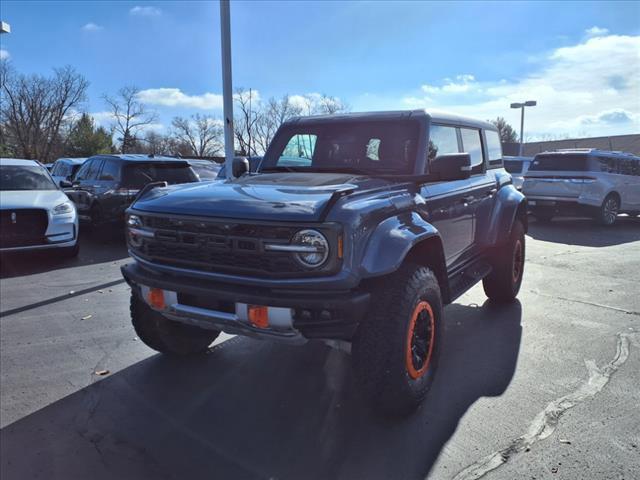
[451,166]
[65,184]
[240,166]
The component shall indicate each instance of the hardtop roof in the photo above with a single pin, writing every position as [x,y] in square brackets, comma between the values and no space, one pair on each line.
[434,115]
[19,162]
[141,158]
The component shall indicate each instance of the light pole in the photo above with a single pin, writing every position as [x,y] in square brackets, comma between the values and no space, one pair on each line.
[528,103]
[227,95]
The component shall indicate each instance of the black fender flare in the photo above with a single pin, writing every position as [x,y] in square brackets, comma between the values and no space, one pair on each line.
[391,242]
[510,205]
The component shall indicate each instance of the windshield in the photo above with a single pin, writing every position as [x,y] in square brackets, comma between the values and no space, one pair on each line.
[206,172]
[346,146]
[17,177]
[138,175]
[561,162]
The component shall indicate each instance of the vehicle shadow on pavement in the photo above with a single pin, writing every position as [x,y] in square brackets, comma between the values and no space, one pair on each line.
[252,409]
[585,232]
[95,247]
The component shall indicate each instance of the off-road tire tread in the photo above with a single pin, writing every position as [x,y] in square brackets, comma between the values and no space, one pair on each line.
[167,336]
[379,345]
[499,285]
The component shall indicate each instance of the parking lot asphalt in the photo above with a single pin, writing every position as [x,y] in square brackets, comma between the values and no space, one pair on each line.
[548,387]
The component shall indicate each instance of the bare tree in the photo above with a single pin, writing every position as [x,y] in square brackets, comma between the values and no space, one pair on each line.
[271,117]
[203,134]
[130,115]
[34,109]
[245,121]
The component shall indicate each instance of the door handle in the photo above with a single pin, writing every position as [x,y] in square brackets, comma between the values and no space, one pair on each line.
[492,192]
[468,199]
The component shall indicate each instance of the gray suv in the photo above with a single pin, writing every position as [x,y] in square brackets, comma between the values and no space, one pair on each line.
[356,231]
[584,182]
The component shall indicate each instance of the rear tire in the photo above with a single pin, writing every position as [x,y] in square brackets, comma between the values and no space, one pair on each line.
[397,346]
[609,210]
[167,336]
[503,283]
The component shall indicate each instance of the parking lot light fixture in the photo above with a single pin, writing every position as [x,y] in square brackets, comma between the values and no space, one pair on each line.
[521,106]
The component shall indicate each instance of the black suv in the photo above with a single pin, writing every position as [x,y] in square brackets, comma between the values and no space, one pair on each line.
[105,185]
[357,230]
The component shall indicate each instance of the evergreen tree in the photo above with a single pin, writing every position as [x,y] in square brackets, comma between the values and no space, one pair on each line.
[85,140]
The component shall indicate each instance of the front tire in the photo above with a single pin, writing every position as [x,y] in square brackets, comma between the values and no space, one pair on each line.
[503,283]
[167,336]
[71,252]
[397,346]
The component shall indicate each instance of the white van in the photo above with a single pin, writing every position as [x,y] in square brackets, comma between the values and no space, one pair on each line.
[583,182]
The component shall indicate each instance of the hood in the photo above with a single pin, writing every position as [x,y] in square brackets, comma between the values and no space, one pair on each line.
[279,196]
[47,199]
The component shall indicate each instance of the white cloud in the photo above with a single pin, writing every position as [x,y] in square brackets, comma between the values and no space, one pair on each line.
[102,119]
[591,88]
[462,83]
[92,27]
[4,54]
[145,11]
[596,31]
[174,97]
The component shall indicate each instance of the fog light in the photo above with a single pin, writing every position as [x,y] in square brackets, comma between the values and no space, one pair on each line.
[155,297]
[258,316]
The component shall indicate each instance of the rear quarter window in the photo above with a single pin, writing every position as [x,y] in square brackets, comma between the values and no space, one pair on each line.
[494,148]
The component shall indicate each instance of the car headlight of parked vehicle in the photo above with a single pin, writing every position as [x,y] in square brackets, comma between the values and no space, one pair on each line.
[63,209]
[134,221]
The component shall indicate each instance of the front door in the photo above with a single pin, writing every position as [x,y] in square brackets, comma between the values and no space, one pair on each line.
[449,205]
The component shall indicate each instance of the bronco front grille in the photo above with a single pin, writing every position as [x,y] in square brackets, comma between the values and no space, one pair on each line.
[219,246]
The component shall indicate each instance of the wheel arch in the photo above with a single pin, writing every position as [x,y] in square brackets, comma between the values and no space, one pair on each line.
[405,238]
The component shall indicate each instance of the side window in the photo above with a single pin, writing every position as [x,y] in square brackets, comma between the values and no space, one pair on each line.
[83,173]
[494,148]
[94,169]
[373,149]
[472,145]
[442,140]
[299,151]
[55,168]
[110,170]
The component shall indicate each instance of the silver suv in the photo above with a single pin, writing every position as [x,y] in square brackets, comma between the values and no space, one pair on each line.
[583,182]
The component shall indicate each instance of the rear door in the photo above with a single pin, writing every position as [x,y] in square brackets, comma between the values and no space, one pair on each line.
[448,203]
[483,186]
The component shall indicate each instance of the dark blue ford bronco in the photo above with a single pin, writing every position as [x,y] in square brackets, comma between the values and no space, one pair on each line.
[356,230]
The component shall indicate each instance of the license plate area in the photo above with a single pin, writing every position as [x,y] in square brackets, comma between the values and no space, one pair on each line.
[209,303]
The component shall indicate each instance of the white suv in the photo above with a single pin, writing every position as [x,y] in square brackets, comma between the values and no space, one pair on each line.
[34,213]
[583,182]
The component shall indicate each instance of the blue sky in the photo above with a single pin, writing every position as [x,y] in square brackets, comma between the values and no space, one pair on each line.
[580,60]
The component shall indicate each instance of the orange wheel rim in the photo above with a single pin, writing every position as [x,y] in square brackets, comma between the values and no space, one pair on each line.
[420,340]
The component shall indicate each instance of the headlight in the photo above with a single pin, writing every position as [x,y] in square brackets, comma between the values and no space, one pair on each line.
[63,208]
[134,221]
[312,248]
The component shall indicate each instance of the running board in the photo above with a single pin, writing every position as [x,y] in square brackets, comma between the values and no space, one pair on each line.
[468,277]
